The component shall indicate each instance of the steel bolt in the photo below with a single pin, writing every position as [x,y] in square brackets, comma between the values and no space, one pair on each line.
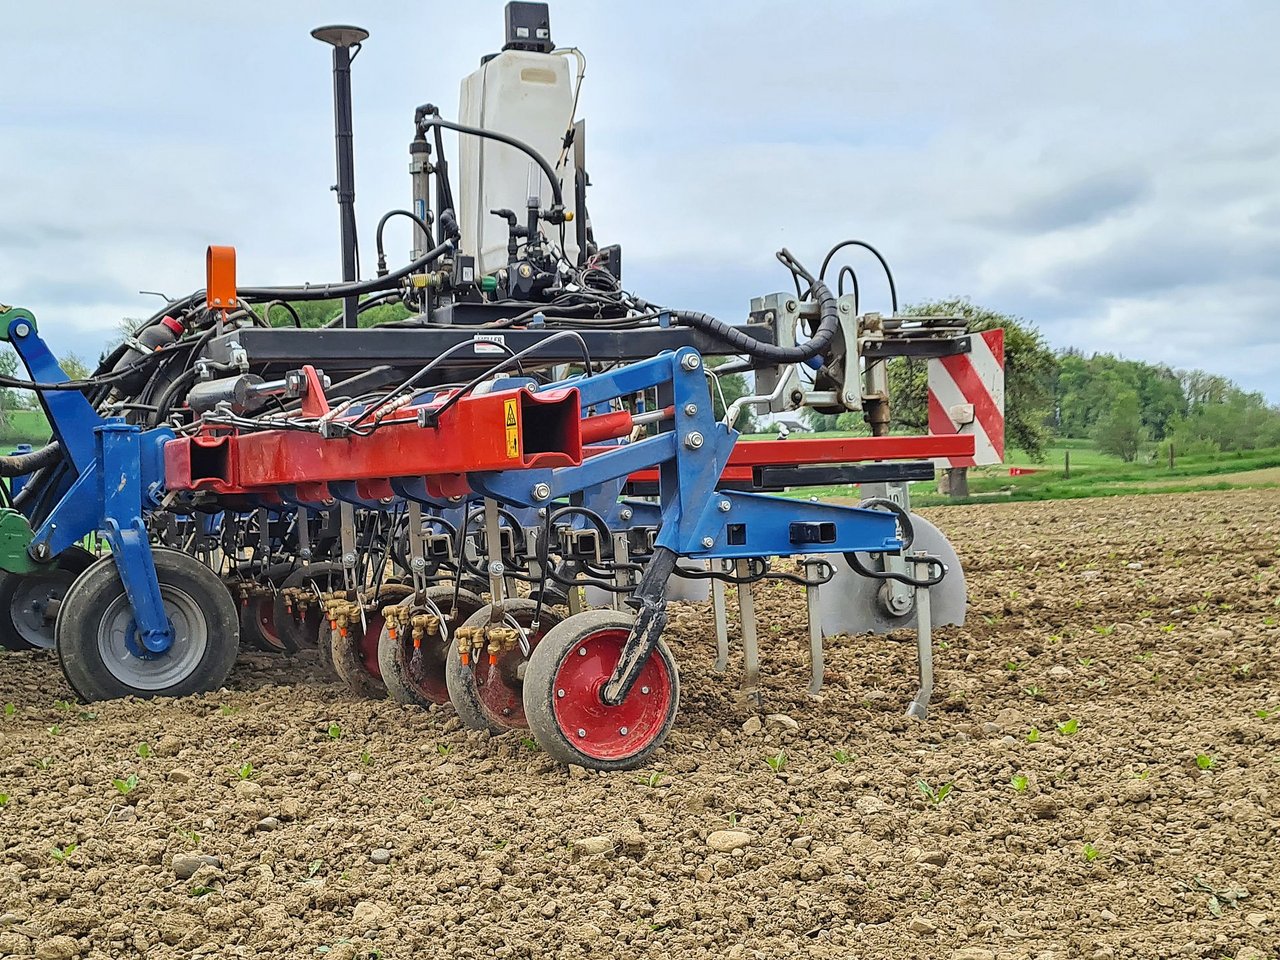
[582,651]
[792,305]
[348,559]
[541,491]
[708,543]
[581,732]
[496,568]
[850,399]
[693,440]
[21,329]
[725,506]
[690,409]
[627,513]
[645,691]
[844,308]
[691,361]
[622,731]
[559,693]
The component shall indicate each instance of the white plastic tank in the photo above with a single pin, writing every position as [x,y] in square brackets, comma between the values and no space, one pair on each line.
[528,96]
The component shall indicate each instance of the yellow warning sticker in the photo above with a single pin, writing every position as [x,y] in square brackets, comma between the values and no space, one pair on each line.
[513,433]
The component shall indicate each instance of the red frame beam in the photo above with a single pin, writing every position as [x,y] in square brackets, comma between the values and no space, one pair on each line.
[511,430]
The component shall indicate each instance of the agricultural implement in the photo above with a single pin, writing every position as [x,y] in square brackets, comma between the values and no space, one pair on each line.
[491,500]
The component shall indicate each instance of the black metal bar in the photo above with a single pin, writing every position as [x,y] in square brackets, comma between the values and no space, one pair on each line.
[822,475]
[342,40]
[335,349]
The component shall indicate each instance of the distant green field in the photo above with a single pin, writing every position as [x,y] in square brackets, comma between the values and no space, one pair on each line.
[23,426]
[1094,474]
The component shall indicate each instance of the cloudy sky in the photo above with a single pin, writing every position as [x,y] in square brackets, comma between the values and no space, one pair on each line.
[1110,172]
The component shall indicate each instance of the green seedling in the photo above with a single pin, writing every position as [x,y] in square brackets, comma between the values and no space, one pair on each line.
[841,756]
[1055,638]
[1089,852]
[1034,692]
[335,732]
[55,730]
[444,749]
[1033,735]
[1084,661]
[1019,782]
[63,705]
[777,763]
[1145,657]
[651,779]
[4,799]
[228,710]
[192,837]
[245,771]
[366,758]
[143,750]
[127,785]
[1166,628]
[10,709]
[1262,713]
[44,763]
[88,715]
[530,744]
[1013,666]
[934,795]
[1069,727]
[314,867]
[201,891]
[732,818]
[1104,630]
[60,854]
[1141,775]
[1205,761]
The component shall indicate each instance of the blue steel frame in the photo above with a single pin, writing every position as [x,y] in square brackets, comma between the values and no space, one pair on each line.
[696,520]
[119,472]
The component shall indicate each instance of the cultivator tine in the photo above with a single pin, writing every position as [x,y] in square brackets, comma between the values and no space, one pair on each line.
[721,615]
[811,567]
[919,707]
[750,690]
[417,548]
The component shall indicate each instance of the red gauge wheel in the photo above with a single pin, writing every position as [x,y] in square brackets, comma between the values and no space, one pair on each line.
[490,695]
[562,695]
[421,680]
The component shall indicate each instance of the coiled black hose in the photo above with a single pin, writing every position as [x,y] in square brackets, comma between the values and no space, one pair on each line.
[829,323]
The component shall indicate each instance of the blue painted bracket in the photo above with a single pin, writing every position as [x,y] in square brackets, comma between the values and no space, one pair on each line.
[690,459]
[119,470]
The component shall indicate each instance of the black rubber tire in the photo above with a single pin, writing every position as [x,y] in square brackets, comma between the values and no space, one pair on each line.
[464,693]
[254,631]
[64,570]
[348,652]
[296,634]
[394,655]
[540,691]
[184,581]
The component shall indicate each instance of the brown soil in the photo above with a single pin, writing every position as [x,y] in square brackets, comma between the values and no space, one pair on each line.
[1120,844]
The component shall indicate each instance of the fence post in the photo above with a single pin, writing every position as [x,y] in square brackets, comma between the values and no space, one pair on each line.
[1066,465]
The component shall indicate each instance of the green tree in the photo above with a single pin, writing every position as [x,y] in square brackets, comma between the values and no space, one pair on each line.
[1120,431]
[74,367]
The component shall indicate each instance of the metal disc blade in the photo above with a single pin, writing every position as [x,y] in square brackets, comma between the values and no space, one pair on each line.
[850,603]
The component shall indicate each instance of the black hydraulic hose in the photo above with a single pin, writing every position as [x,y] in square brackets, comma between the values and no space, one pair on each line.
[337,291]
[828,324]
[427,116]
[893,289]
[164,402]
[18,464]
[285,304]
[382,257]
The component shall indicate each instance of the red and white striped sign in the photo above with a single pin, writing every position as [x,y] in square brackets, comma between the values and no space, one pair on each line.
[966,395]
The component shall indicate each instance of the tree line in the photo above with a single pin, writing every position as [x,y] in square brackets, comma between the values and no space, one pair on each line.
[1125,406]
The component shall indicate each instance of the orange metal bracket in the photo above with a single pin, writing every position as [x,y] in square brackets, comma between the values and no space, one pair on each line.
[220,278]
